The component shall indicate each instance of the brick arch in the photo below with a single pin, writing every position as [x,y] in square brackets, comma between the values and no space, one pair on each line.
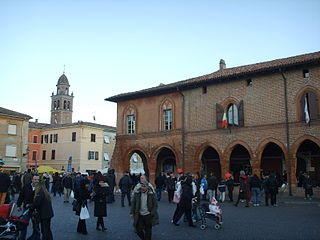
[299,95]
[263,145]
[157,150]
[230,100]
[295,146]
[203,147]
[130,151]
[230,147]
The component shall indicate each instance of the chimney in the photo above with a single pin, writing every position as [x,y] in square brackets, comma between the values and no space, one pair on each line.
[222,64]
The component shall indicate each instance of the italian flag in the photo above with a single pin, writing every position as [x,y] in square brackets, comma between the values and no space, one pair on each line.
[224,123]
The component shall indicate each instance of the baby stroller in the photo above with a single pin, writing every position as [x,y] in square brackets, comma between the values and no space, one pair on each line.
[10,226]
[206,213]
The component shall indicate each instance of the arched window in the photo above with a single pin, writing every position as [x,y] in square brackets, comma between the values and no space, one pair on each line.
[58,104]
[233,115]
[68,105]
[167,115]
[309,106]
[64,104]
[130,120]
[55,105]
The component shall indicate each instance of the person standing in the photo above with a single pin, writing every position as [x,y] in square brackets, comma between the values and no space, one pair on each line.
[171,186]
[125,186]
[144,210]
[222,190]
[307,185]
[111,180]
[272,185]
[83,196]
[99,196]
[25,198]
[212,187]
[160,183]
[230,186]
[255,186]
[42,203]
[4,186]
[243,188]
[67,187]
[56,184]
[204,185]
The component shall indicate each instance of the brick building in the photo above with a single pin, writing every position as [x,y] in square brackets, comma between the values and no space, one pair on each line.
[273,123]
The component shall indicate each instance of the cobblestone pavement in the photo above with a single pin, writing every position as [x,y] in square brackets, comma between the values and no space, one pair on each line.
[294,218]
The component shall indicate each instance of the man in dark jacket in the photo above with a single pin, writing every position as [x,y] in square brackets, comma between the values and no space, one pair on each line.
[125,185]
[111,180]
[25,198]
[160,183]
[4,186]
[243,188]
[212,186]
[67,187]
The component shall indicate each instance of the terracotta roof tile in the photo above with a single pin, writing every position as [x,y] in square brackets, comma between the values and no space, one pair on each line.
[8,112]
[222,75]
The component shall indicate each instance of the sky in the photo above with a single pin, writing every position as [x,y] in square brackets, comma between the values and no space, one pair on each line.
[112,47]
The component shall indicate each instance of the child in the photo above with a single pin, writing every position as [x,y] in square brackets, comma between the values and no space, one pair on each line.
[215,210]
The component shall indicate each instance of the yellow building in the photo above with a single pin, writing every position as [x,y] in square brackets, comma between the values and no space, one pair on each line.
[13,139]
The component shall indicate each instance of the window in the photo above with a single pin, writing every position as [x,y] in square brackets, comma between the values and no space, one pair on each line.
[55,138]
[12,129]
[106,139]
[46,138]
[34,155]
[167,119]
[44,153]
[53,154]
[204,89]
[309,106]
[93,137]
[74,136]
[232,115]
[306,73]
[35,139]
[249,82]
[50,138]
[106,156]
[93,155]
[131,121]
[42,139]
[11,150]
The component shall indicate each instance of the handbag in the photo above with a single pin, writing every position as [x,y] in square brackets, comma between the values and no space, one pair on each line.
[75,206]
[84,214]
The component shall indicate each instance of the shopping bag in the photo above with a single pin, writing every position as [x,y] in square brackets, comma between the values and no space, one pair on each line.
[176,197]
[72,194]
[84,213]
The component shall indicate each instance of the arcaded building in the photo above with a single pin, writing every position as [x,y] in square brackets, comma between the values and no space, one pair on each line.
[271,112]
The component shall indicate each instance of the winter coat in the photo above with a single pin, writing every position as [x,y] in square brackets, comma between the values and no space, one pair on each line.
[204,183]
[67,182]
[42,205]
[255,182]
[272,184]
[100,201]
[84,194]
[186,195]
[125,184]
[5,182]
[171,183]
[212,183]
[152,204]
[26,196]
[230,184]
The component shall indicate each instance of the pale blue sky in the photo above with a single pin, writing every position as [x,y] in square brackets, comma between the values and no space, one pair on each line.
[112,47]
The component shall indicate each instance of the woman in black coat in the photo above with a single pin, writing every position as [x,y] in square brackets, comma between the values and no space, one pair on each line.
[84,194]
[100,193]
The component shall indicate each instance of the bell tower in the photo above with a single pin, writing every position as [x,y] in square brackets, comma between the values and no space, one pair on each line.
[62,102]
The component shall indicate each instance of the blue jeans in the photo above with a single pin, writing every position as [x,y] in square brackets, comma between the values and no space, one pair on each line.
[255,195]
[158,192]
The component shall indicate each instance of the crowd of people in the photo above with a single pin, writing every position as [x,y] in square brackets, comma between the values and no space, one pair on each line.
[186,190]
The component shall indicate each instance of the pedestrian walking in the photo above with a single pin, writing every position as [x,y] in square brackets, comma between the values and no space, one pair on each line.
[83,196]
[185,204]
[160,183]
[222,190]
[99,196]
[144,210]
[125,185]
[204,185]
[56,184]
[171,186]
[111,180]
[212,187]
